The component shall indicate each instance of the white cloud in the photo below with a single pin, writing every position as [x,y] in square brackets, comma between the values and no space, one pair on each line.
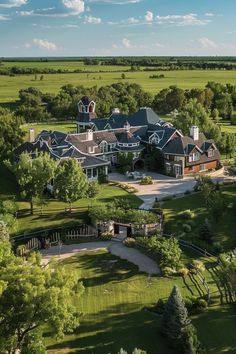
[26,13]
[207,43]
[209,14]
[76,7]
[132,20]
[4,17]
[70,26]
[182,20]
[93,20]
[117,2]
[127,43]
[44,44]
[13,3]
[149,16]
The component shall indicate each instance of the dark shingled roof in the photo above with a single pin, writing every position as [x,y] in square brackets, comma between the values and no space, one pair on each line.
[185,145]
[85,100]
[144,116]
[126,138]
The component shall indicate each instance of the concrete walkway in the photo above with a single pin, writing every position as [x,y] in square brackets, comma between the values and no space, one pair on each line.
[144,263]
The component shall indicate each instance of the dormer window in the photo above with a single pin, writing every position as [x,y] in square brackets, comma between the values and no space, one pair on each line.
[155,140]
[210,153]
[195,156]
[104,146]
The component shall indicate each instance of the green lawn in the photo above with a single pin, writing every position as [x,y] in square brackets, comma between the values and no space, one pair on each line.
[226,127]
[113,315]
[54,212]
[10,86]
[224,231]
[65,127]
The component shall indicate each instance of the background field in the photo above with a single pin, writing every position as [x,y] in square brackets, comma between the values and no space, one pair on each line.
[10,86]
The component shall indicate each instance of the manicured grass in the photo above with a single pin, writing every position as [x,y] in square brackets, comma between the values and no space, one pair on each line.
[224,230]
[113,315]
[54,214]
[64,127]
[10,86]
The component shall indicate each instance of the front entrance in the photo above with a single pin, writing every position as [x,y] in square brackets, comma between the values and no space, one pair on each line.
[122,231]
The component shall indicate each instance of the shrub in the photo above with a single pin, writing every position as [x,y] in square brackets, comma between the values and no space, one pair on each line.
[217,248]
[183,271]
[129,242]
[146,180]
[187,214]
[198,265]
[187,228]
[187,192]
[105,236]
[168,271]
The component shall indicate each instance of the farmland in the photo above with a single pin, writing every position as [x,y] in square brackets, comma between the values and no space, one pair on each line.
[100,75]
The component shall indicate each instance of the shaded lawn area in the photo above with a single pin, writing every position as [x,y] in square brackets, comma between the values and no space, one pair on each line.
[224,230]
[54,213]
[113,315]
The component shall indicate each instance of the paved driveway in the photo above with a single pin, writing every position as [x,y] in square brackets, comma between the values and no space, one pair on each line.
[144,263]
[164,186]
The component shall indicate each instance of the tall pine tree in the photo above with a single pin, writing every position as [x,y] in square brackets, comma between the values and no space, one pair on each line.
[175,317]
[177,327]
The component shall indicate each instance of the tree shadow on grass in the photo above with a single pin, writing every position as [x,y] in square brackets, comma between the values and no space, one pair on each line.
[118,326]
[106,268]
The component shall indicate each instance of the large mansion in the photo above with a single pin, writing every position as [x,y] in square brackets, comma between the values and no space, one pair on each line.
[99,144]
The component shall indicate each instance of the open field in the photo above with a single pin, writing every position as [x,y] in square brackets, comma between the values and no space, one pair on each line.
[113,315]
[223,232]
[10,86]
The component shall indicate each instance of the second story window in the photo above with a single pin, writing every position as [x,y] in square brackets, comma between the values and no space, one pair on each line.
[210,153]
[195,156]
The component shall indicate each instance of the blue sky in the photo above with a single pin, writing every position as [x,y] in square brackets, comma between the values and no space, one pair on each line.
[117,27]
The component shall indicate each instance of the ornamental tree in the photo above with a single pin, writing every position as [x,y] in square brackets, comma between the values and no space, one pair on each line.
[70,183]
[32,174]
[32,297]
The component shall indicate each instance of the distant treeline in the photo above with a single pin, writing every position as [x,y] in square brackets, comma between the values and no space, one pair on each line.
[174,64]
[135,64]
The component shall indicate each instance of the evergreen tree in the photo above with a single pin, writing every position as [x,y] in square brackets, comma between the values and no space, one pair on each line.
[177,326]
[175,317]
[205,232]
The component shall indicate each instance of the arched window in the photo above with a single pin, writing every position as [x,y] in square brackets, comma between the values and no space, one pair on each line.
[155,140]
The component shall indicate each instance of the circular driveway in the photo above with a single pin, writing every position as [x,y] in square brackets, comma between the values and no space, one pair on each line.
[143,262]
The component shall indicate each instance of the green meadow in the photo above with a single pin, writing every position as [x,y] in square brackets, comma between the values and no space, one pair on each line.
[10,85]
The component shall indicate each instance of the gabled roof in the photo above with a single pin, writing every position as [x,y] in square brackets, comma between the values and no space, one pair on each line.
[126,138]
[144,116]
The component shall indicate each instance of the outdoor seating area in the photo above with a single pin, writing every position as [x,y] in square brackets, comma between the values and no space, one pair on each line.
[135,175]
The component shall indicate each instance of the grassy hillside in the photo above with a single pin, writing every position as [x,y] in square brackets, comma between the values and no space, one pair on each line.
[113,315]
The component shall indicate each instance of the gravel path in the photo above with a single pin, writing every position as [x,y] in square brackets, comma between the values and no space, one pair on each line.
[144,263]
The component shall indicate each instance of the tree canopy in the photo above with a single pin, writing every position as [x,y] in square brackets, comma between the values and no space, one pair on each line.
[32,174]
[11,134]
[32,296]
